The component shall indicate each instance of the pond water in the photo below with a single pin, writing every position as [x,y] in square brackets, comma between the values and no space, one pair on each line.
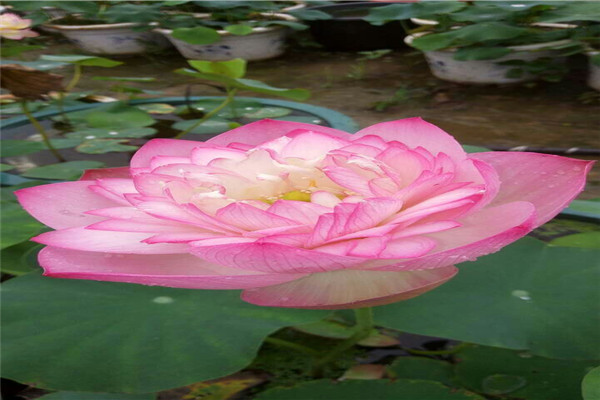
[399,85]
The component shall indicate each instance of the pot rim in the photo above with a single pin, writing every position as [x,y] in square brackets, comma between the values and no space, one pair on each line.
[97,26]
[432,22]
[523,47]
[222,32]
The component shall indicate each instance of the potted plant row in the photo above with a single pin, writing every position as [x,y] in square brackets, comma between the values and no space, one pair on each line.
[494,42]
[208,30]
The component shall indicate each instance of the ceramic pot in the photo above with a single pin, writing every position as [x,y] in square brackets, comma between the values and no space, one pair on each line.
[263,43]
[443,65]
[112,39]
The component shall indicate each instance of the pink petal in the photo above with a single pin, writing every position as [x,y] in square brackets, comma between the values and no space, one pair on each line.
[106,241]
[415,132]
[63,205]
[309,145]
[174,270]
[325,199]
[179,237]
[265,130]
[484,232]
[250,218]
[349,289]
[93,174]
[118,187]
[162,161]
[349,179]
[163,147]
[549,182]
[301,211]
[348,218]
[407,165]
[204,155]
[120,225]
[271,257]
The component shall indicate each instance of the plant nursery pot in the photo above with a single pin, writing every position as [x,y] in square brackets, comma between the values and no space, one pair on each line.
[347,31]
[443,65]
[593,79]
[263,43]
[112,39]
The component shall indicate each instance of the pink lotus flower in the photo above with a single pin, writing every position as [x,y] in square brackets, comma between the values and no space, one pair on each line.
[299,215]
[14,27]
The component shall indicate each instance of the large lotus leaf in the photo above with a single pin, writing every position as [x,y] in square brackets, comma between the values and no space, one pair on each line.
[368,389]
[115,116]
[16,225]
[115,337]
[69,170]
[211,126]
[588,240]
[527,296]
[20,259]
[591,385]
[516,374]
[101,146]
[421,368]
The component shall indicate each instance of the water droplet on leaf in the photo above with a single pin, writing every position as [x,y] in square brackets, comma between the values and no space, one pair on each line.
[163,300]
[502,384]
[521,294]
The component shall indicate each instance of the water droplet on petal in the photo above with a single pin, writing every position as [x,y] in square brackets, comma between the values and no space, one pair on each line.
[285,299]
[551,186]
[560,172]
[521,294]
[65,212]
[576,168]
[502,384]
[163,300]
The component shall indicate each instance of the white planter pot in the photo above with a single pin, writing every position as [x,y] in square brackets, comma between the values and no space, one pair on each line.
[594,72]
[443,65]
[261,44]
[112,39]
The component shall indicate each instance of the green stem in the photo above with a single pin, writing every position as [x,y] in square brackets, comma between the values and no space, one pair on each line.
[209,115]
[363,328]
[60,103]
[293,346]
[41,130]
[75,79]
